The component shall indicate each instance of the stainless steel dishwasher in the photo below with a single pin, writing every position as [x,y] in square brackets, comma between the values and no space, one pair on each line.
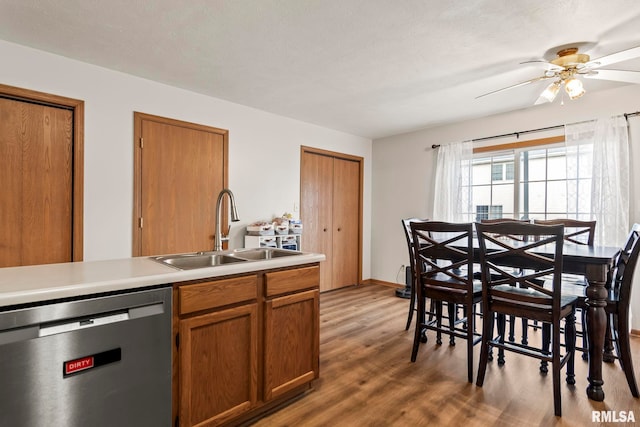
[98,361]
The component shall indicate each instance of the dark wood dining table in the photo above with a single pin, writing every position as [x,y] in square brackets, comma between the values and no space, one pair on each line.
[593,262]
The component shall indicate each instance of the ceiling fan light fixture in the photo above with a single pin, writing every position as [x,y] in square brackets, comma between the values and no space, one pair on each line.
[549,93]
[574,88]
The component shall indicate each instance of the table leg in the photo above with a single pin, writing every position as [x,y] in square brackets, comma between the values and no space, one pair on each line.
[596,326]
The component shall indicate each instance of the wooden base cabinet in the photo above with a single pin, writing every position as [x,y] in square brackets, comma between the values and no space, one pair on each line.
[218,350]
[244,344]
[291,330]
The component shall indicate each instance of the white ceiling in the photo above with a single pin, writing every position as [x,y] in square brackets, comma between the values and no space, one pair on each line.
[367,67]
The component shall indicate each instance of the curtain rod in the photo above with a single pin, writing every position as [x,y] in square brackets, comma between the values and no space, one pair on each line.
[517,134]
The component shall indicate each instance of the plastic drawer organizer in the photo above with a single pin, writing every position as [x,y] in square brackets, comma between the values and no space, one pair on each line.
[274,235]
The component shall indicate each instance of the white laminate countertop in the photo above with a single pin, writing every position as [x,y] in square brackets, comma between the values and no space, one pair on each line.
[28,284]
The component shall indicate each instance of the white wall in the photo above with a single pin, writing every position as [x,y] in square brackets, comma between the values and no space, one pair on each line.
[264,149]
[404,166]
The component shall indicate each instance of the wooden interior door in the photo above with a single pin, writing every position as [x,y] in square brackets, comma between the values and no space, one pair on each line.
[330,209]
[346,222]
[181,169]
[316,210]
[36,174]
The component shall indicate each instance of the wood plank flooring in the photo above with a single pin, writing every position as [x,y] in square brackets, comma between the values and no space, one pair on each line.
[367,378]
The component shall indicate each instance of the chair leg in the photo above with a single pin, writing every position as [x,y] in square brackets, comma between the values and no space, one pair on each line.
[439,322]
[557,403]
[431,309]
[585,336]
[546,341]
[624,350]
[469,310]
[570,341]
[525,331]
[453,315]
[608,356]
[417,336]
[487,335]
[412,306]
[502,319]
[512,328]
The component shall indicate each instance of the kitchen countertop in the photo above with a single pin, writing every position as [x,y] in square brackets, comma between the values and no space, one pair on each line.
[28,284]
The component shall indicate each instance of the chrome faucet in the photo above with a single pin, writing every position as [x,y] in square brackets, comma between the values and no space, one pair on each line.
[219,238]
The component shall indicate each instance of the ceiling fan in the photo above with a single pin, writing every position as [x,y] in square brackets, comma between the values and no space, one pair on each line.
[569,65]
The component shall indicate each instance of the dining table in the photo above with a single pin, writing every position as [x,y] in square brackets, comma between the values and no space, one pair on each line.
[594,263]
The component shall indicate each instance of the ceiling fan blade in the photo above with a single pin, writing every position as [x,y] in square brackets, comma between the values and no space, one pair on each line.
[623,55]
[545,64]
[537,79]
[617,75]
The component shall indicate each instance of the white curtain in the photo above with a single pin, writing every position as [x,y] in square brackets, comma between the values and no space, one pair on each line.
[599,149]
[452,194]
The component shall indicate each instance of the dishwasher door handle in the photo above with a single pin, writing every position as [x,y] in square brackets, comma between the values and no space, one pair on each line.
[122,316]
[76,325]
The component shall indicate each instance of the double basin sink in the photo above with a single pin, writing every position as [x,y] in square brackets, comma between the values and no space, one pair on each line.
[195,260]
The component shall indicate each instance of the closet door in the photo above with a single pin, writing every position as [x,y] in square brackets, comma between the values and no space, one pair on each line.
[316,210]
[330,206]
[346,221]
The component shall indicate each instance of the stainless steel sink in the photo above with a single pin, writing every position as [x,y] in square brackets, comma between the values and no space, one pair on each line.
[259,254]
[211,259]
[192,261]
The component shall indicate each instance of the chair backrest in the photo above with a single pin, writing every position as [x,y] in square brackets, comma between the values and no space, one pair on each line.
[525,285]
[443,254]
[501,220]
[406,226]
[625,266]
[575,231]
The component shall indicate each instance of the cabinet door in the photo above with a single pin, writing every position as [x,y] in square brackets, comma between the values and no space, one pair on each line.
[291,342]
[218,365]
[316,210]
[346,222]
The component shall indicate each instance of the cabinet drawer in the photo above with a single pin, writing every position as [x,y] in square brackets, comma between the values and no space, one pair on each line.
[281,282]
[217,293]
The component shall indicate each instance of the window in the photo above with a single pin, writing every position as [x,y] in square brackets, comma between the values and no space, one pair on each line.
[488,212]
[509,170]
[496,172]
[536,182]
[502,171]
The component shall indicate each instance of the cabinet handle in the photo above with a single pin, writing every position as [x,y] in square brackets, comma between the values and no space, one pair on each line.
[324,229]
[339,229]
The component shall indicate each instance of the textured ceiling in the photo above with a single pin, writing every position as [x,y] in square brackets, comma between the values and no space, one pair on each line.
[368,67]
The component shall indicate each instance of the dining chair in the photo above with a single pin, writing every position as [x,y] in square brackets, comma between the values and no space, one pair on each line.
[525,322]
[577,232]
[444,261]
[619,287]
[524,295]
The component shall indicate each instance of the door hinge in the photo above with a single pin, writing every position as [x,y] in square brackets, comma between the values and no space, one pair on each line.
[141,142]
[140,222]
[177,340]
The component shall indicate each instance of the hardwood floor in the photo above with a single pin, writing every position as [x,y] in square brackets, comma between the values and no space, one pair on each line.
[367,378]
